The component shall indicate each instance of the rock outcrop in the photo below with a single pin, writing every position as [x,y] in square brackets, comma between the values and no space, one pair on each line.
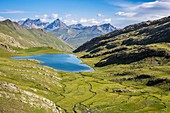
[12,91]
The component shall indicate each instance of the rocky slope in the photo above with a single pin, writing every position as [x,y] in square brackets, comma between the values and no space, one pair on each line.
[23,85]
[132,43]
[89,32]
[57,24]
[12,91]
[78,34]
[15,35]
[29,24]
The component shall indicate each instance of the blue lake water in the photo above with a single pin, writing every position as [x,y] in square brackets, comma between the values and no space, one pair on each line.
[61,62]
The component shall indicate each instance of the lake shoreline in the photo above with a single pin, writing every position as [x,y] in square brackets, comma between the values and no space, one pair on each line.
[60,62]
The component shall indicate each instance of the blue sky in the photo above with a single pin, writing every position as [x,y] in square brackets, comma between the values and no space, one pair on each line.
[88,12]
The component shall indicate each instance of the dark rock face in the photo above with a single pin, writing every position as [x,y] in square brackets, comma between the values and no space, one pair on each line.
[95,50]
[122,74]
[110,46]
[91,55]
[4,45]
[127,58]
[143,76]
[8,48]
[157,81]
[121,90]
[156,35]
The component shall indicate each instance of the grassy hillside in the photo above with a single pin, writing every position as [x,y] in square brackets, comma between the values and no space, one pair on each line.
[138,34]
[133,64]
[15,35]
[133,43]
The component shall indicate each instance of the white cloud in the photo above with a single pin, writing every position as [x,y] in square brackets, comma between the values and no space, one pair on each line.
[37,16]
[47,18]
[121,3]
[23,19]
[99,15]
[45,15]
[71,21]
[54,16]
[157,5]
[2,18]
[82,20]
[94,21]
[107,20]
[13,12]
[128,14]
[61,18]
[68,15]
[44,20]
[144,11]
[91,21]
[163,0]
[74,21]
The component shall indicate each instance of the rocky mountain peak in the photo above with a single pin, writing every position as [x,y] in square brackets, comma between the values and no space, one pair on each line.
[106,28]
[76,26]
[55,25]
[7,20]
[29,24]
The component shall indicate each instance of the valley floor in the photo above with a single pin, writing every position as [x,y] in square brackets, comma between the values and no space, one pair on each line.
[26,86]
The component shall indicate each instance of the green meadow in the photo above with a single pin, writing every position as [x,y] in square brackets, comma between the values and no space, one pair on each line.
[132,88]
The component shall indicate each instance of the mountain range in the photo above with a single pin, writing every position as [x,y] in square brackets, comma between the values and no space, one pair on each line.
[75,35]
[29,24]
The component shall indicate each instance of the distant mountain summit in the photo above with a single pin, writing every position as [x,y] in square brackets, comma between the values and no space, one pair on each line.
[29,24]
[20,22]
[75,34]
[76,26]
[106,28]
[57,24]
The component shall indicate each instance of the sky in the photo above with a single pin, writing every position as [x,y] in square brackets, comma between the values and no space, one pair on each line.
[119,13]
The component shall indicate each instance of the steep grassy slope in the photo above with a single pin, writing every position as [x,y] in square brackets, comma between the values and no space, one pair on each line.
[131,44]
[139,34]
[15,35]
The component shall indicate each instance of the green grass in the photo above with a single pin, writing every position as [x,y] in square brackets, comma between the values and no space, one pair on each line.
[13,106]
[94,91]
